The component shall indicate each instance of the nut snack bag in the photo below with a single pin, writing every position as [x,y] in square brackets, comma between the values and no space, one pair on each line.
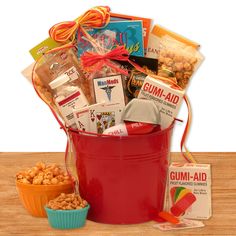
[178,57]
[177,60]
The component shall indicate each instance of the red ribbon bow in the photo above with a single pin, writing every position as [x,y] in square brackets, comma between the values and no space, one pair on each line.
[119,53]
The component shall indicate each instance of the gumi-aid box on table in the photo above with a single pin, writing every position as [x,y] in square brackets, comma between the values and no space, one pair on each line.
[190,189]
[167,99]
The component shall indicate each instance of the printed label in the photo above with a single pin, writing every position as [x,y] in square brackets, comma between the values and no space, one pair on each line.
[72,73]
[67,104]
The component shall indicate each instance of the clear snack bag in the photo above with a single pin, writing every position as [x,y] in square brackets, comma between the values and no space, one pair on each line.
[177,60]
[63,61]
[103,71]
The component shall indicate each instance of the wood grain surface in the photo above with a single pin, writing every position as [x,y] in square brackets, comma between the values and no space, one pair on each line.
[14,220]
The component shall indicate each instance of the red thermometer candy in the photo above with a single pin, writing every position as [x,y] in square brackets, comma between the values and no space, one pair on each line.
[130,128]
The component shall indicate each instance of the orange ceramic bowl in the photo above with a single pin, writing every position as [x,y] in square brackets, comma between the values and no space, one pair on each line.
[35,197]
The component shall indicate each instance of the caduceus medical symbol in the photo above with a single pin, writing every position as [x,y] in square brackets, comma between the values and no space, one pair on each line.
[108,91]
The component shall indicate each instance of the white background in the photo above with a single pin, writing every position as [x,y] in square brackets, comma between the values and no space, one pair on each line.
[28,125]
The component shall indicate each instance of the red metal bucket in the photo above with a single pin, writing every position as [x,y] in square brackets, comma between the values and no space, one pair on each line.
[123,178]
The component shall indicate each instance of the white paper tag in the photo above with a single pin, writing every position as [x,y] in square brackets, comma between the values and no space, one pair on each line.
[67,104]
[72,73]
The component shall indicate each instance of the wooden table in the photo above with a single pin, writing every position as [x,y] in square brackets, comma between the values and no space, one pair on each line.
[14,220]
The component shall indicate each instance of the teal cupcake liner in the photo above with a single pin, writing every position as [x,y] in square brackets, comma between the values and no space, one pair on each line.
[67,219]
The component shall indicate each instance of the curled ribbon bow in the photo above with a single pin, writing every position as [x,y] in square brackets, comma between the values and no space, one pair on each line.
[119,53]
[96,17]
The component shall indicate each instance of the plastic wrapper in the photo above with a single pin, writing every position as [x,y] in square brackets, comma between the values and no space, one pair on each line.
[138,70]
[100,64]
[177,60]
[61,62]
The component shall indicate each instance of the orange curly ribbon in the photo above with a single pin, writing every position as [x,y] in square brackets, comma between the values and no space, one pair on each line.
[64,32]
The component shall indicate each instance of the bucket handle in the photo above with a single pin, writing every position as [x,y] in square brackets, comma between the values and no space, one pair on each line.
[184,150]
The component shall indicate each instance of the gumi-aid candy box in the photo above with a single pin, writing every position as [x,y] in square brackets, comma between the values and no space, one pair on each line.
[166,98]
[190,190]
